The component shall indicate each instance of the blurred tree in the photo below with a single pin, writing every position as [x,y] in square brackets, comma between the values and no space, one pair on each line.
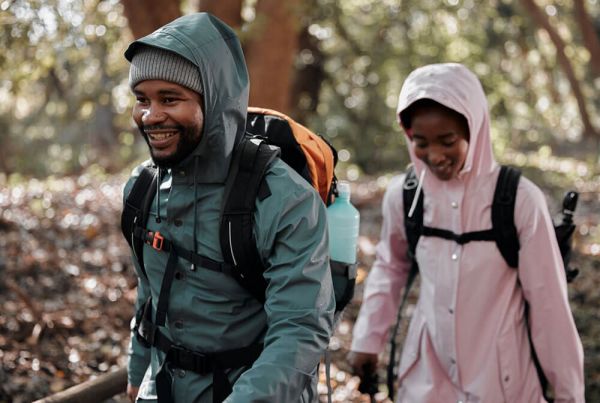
[541,18]
[271,44]
[591,36]
[308,75]
[146,16]
[229,11]
[531,101]
[56,76]
[337,66]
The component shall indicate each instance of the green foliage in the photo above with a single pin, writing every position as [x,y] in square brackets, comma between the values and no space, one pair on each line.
[61,78]
[371,46]
[64,100]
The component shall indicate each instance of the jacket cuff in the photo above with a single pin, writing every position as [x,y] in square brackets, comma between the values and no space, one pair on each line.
[137,362]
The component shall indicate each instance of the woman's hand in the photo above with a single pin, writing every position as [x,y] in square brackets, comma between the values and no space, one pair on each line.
[361,361]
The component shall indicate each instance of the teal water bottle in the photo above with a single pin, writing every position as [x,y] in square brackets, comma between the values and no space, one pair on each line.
[343,222]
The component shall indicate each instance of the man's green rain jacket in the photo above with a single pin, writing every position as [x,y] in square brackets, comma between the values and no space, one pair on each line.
[209,311]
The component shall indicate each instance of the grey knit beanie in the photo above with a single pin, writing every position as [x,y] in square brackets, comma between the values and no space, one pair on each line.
[151,63]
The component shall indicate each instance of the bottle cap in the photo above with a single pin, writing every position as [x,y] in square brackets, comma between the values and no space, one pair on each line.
[343,188]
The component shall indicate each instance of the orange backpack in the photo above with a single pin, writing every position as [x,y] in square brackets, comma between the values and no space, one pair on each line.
[271,134]
[307,152]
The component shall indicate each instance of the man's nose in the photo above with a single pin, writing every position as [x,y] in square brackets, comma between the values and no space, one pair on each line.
[153,114]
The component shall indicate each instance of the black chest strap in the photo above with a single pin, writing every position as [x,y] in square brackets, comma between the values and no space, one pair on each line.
[162,244]
[461,239]
[503,230]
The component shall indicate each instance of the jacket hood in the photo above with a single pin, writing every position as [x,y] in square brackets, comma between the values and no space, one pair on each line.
[457,88]
[214,48]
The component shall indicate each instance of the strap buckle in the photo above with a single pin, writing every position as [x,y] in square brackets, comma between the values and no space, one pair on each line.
[156,240]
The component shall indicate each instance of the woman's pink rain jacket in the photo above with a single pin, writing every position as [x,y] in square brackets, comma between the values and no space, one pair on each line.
[467,341]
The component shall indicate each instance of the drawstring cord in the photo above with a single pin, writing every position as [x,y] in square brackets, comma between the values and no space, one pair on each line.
[413,206]
[195,209]
[158,196]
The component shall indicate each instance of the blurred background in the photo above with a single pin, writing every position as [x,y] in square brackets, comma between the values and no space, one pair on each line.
[67,142]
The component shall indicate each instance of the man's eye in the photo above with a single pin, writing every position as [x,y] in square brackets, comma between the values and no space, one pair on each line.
[420,144]
[140,100]
[449,143]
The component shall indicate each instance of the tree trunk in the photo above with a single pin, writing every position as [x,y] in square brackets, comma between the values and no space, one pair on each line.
[146,16]
[5,155]
[229,11]
[270,52]
[542,21]
[308,77]
[590,37]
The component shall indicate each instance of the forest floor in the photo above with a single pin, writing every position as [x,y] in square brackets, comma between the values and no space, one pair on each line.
[68,286]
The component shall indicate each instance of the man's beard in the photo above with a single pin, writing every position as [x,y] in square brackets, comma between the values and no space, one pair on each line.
[189,138]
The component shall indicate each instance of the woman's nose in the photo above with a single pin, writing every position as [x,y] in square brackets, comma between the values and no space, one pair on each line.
[435,156]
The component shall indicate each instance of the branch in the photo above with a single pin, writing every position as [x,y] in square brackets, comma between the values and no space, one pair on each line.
[345,35]
[542,20]
[35,310]
[93,391]
[590,38]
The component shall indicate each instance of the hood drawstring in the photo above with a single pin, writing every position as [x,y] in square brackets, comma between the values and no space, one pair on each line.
[413,206]
[158,196]
[193,267]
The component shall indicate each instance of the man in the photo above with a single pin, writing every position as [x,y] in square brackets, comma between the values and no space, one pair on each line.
[202,337]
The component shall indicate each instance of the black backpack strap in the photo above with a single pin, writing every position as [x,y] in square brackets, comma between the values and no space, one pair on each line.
[250,161]
[503,208]
[413,228]
[136,209]
[507,240]
[564,232]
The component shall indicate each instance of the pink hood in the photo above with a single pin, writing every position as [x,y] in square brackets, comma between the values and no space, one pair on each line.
[457,88]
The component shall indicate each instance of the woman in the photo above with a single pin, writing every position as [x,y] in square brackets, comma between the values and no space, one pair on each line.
[468,338]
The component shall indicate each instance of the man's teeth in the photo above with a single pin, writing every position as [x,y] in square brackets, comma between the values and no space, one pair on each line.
[161,136]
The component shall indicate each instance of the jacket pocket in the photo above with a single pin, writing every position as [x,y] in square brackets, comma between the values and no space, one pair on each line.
[412,345]
[508,361]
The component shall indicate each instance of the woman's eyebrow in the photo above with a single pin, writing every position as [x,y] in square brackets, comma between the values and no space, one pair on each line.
[442,135]
[446,135]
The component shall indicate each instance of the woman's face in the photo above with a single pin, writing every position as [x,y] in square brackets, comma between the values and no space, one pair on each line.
[440,139]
